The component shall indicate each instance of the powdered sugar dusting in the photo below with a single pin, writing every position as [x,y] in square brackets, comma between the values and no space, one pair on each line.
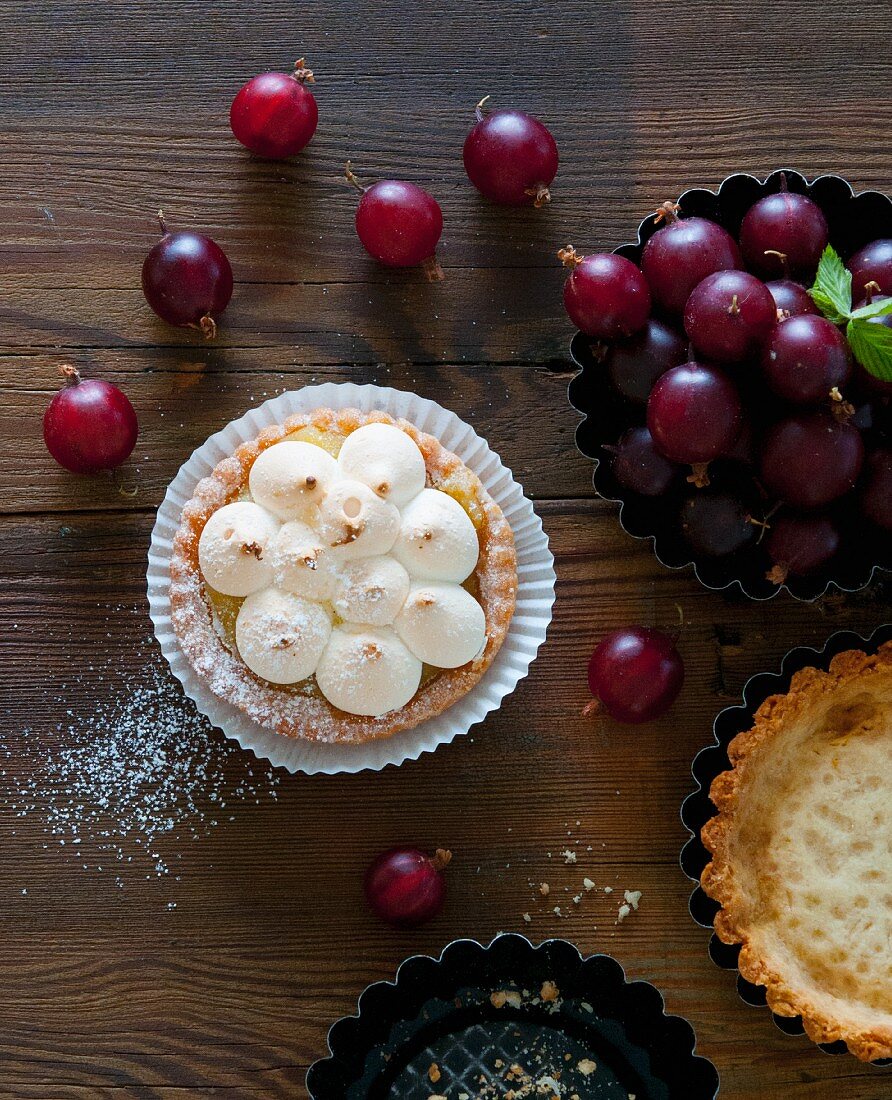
[123,786]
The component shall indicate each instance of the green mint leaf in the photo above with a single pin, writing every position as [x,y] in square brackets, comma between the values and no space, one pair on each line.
[878,308]
[871,345]
[832,292]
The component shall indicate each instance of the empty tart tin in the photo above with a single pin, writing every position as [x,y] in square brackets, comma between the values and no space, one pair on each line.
[853,220]
[698,808]
[481,1021]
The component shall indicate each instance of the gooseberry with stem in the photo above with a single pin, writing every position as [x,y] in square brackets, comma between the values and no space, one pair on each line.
[635,673]
[694,415]
[800,545]
[728,315]
[510,157]
[872,264]
[605,295]
[187,279]
[275,114]
[805,359]
[783,234]
[717,524]
[682,253]
[405,887]
[398,223]
[89,425]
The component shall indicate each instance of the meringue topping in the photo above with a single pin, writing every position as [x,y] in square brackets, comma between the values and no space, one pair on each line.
[356,522]
[386,459]
[371,590]
[301,564]
[362,539]
[281,637]
[367,670]
[437,540]
[291,477]
[442,624]
[232,549]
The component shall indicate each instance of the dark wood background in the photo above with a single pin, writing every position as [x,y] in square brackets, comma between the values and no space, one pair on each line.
[110,110]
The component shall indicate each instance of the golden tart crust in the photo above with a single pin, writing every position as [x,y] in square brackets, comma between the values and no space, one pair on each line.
[802,852]
[298,711]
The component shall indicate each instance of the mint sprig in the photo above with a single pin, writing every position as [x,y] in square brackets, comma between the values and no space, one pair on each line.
[871,343]
[832,292]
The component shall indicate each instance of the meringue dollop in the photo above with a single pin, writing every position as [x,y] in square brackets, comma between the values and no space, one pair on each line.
[367,670]
[371,590]
[280,636]
[437,540]
[386,459]
[233,548]
[291,477]
[442,624]
[301,564]
[355,522]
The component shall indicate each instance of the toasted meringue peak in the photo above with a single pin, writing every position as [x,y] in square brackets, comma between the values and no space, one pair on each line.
[367,670]
[442,624]
[355,522]
[386,459]
[301,564]
[437,540]
[291,477]
[233,548]
[280,637]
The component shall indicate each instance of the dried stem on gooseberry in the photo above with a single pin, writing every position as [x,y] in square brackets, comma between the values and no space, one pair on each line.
[777,574]
[734,307]
[667,212]
[162,223]
[208,327]
[432,270]
[478,110]
[699,476]
[442,859]
[843,410]
[351,178]
[871,288]
[72,374]
[592,708]
[539,194]
[569,257]
[301,73]
[782,256]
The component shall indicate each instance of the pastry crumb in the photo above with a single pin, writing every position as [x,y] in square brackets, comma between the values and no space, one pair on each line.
[633,897]
[433,1073]
[569,855]
[544,889]
[549,991]
[527,918]
[586,1067]
[588,884]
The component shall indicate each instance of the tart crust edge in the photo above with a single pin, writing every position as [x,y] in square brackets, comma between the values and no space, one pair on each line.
[312,717]
[732,926]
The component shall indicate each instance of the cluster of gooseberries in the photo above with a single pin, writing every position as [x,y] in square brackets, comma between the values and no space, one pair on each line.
[750,418]
[509,156]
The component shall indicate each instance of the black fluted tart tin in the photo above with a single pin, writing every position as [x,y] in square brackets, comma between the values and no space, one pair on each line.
[435,1030]
[853,220]
[698,807]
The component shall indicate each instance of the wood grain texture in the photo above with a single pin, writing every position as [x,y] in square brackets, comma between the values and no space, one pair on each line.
[113,110]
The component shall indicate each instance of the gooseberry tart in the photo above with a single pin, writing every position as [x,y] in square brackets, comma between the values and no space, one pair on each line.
[801,863]
[342,577]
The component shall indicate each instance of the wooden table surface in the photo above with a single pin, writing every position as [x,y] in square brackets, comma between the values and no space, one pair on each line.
[222,977]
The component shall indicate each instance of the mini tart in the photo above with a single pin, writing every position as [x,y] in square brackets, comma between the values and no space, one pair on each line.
[802,852]
[300,710]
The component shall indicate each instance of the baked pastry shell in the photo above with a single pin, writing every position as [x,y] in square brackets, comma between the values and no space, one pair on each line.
[756,986]
[306,716]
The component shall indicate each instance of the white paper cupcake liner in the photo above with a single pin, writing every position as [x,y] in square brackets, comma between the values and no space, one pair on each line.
[535,591]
